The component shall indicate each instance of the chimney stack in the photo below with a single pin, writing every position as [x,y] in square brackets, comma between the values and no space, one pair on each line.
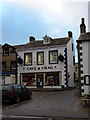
[70,34]
[82,26]
[31,39]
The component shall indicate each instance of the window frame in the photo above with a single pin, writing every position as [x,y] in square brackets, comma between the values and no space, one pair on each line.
[12,68]
[57,56]
[4,50]
[43,58]
[2,65]
[25,59]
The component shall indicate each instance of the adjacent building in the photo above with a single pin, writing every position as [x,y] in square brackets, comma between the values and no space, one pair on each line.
[83,45]
[9,69]
[47,63]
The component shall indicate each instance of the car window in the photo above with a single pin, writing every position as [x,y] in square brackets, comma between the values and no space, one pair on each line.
[23,86]
[6,87]
[0,87]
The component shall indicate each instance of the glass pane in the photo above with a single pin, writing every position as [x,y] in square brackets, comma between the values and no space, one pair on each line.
[28,58]
[40,58]
[53,57]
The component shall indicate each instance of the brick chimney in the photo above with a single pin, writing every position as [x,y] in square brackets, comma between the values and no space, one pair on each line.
[31,39]
[82,26]
[70,34]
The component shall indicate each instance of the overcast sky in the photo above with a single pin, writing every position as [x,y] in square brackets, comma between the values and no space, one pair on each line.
[21,19]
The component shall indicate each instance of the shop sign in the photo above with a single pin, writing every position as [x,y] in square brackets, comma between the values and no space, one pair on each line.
[39,68]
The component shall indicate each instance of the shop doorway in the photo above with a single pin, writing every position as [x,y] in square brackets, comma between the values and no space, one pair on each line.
[40,80]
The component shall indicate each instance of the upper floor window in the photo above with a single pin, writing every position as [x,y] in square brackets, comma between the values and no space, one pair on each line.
[53,57]
[3,65]
[40,58]
[6,52]
[28,58]
[72,46]
[13,65]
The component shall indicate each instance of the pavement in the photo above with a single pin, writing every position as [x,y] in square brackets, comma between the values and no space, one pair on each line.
[49,89]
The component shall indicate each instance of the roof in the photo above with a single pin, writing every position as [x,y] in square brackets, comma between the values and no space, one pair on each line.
[7,45]
[84,37]
[39,43]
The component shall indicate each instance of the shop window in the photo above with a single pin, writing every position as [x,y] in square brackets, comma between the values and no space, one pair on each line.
[28,58]
[3,65]
[40,58]
[13,65]
[53,57]
[29,79]
[52,79]
[6,52]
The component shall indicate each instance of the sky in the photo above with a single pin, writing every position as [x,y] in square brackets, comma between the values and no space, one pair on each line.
[21,19]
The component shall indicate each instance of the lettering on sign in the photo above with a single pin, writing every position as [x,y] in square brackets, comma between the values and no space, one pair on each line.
[39,68]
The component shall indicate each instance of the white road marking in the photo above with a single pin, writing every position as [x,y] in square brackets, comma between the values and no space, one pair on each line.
[27,100]
[6,116]
[43,95]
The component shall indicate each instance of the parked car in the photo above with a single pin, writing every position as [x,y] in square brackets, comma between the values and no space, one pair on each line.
[15,93]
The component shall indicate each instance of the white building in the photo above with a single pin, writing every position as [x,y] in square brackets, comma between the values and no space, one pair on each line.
[47,63]
[83,43]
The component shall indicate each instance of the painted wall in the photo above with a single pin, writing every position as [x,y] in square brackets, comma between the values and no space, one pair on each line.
[71,67]
[53,67]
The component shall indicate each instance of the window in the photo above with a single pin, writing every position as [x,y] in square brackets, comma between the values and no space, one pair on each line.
[40,58]
[3,65]
[6,52]
[53,57]
[52,79]
[74,60]
[28,58]
[87,79]
[29,79]
[72,46]
[13,65]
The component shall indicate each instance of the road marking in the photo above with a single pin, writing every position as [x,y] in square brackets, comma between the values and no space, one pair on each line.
[17,104]
[6,116]
[27,100]
[43,95]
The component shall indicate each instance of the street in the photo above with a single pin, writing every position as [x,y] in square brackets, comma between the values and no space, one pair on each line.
[53,104]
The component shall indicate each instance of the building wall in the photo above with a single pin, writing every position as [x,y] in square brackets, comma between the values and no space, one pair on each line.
[70,59]
[84,49]
[89,58]
[60,67]
[8,75]
[55,67]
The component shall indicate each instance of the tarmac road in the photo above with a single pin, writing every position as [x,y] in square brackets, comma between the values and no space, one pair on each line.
[53,104]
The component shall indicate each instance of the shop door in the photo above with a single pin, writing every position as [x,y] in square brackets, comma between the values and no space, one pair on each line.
[40,80]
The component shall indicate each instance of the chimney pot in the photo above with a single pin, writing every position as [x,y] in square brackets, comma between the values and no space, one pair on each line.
[69,34]
[31,39]
[82,26]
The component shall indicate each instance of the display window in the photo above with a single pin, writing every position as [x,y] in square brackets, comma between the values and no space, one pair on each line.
[52,79]
[29,79]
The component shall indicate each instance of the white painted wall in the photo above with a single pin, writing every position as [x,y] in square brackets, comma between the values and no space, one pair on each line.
[71,67]
[86,62]
[10,79]
[56,67]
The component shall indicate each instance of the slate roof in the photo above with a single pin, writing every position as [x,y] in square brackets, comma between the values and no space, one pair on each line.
[84,37]
[39,43]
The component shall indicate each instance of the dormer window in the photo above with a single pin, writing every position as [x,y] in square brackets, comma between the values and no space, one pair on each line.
[46,39]
[6,52]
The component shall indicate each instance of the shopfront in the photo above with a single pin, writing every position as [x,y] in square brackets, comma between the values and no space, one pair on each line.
[41,79]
